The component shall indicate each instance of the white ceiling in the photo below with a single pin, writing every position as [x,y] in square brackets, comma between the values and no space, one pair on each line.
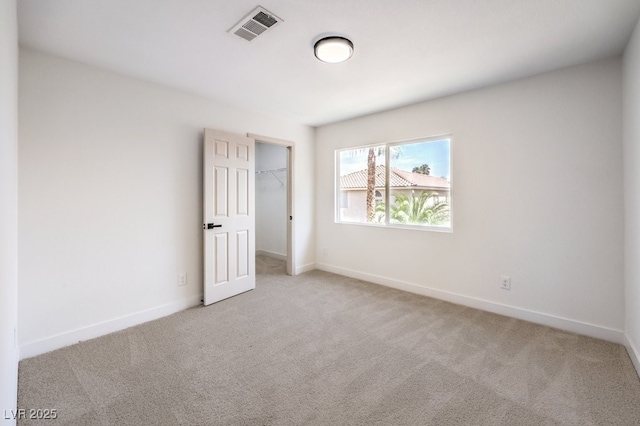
[405,50]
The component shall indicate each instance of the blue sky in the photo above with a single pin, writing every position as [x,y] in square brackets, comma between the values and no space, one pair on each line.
[435,153]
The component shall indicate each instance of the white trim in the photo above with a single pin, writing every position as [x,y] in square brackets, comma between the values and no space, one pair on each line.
[420,228]
[67,338]
[633,352]
[271,254]
[267,139]
[591,330]
[306,268]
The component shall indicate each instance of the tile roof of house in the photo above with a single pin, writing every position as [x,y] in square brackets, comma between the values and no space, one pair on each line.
[398,179]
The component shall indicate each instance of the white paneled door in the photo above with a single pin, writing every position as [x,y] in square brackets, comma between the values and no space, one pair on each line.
[229,215]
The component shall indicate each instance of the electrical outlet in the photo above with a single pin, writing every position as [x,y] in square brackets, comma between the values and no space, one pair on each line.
[325,251]
[182,278]
[505,282]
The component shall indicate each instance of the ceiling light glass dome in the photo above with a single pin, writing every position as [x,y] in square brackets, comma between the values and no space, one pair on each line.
[333,49]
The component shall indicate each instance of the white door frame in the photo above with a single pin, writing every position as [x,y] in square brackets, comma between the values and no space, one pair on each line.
[291,268]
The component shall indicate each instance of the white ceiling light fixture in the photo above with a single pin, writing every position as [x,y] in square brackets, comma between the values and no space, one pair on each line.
[333,49]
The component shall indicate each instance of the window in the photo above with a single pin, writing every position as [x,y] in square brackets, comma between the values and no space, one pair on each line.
[400,184]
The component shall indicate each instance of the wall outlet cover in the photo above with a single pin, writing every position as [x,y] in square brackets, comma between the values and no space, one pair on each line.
[505,282]
[182,279]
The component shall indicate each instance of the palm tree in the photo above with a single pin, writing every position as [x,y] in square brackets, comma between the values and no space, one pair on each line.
[371,181]
[423,209]
[373,153]
[425,169]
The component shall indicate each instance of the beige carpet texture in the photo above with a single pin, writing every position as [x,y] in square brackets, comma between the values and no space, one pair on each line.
[322,349]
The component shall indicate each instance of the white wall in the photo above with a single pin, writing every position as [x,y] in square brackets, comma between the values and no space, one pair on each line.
[632,193]
[271,200]
[110,191]
[537,195]
[8,209]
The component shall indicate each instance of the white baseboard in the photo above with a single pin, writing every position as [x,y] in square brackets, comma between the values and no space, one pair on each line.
[271,254]
[61,340]
[566,324]
[633,352]
[305,268]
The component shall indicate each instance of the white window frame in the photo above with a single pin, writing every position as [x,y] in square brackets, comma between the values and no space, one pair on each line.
[387,190]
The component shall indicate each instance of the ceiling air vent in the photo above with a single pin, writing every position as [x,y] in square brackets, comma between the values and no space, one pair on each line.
[256,23]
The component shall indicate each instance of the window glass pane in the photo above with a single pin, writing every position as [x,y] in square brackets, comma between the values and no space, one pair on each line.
[362,184]
[419,183]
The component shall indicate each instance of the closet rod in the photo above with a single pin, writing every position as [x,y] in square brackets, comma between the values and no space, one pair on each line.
[273,172]
[283,169]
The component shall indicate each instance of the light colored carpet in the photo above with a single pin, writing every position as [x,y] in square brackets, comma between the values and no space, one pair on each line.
[322,349]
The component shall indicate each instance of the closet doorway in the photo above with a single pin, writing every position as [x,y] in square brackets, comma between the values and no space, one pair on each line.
[274,200]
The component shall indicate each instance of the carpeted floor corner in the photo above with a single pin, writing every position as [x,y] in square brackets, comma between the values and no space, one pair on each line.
[321,349]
